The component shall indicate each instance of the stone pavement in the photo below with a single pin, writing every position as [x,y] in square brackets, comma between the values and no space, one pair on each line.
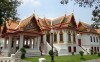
[24,61]
[93,60]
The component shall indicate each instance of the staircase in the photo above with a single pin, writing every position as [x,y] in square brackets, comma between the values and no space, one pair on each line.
[83,49]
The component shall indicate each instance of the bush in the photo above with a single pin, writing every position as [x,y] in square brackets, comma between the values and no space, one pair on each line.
[72,53]
[23,52]
[56,53]
[99,54]
[91,52]
[50,53]
[81,53]
[95,52]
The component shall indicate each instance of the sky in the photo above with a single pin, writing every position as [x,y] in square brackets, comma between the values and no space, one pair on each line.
[53,9]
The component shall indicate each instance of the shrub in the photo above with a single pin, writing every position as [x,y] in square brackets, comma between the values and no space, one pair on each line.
[81,53]
[56,53]
[72,53]
[50,53]
[99,54]
[91,52]
[23,52]
[95,52]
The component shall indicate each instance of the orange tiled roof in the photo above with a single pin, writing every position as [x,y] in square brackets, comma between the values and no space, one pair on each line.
[86,28]
[44,23]
[24,22]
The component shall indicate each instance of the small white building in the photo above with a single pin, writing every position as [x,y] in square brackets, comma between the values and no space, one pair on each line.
[34,34]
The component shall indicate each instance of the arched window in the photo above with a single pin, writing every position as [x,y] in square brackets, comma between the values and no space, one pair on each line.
[61,37]
[69,49]
[74,37]
[41,39]
[48,37]
[91,38]
[74,48]
[69,37]
[55,38]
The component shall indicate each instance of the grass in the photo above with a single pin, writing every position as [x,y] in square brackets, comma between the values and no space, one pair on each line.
[74,58]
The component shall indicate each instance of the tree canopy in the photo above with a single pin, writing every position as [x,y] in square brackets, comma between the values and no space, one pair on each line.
[8,10]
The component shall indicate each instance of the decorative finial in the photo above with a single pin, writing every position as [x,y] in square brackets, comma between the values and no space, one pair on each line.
[34,13]
[73,11]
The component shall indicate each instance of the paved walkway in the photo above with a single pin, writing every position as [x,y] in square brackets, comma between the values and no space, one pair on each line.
[93,60]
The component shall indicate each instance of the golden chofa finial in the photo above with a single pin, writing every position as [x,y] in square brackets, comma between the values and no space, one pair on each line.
[34,13]
[73,12]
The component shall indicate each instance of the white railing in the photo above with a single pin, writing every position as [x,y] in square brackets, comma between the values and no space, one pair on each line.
[8,59]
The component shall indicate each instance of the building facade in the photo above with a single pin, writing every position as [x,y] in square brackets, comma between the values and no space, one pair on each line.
[34,34]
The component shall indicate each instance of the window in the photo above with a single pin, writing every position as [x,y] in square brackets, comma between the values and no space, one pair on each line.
[91,38]
[69,37]
[61,37]
[94,49]
[98,49]
[94,39]
[91,48]
[69,49]
[48,38]
[55,38]
[97,39]
[74,49]
[74,38]
[41,39]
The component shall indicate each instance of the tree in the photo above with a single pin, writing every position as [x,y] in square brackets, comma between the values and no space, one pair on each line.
[96,17]
[8,10]
[83,3]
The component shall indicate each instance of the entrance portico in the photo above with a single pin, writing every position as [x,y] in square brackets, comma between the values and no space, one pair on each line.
[19,39]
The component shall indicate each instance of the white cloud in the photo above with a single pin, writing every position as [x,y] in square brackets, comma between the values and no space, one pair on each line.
[31,2]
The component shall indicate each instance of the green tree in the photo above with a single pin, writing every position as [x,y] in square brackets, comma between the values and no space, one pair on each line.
[8,10]
[96,17]
[83,3]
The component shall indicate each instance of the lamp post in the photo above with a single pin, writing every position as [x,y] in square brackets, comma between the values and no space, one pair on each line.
[52,57]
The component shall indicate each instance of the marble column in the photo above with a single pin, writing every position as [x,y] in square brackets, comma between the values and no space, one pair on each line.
[9,45]
[38,42]
[33,43]
[21,41]
[58,37]
[5,43]
[30,43]
[65,37]
[14,45]
[45,44]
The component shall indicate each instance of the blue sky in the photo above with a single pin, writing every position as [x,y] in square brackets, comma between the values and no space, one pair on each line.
[53,9]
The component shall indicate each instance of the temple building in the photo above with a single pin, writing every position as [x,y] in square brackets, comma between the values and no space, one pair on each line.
[34,34]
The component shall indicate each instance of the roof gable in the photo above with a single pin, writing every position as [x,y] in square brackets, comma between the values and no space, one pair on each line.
[69,21]
[29,24]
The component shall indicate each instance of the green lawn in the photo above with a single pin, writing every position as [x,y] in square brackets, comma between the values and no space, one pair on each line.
[75,58]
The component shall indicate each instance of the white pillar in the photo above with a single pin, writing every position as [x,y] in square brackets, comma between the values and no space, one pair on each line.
[38,44]
[64,37]
[9,45]
[45,44]
[21,41]
[30,43]
[5,43]
[58,37]
[71,37]
[35,43]
[14,45]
